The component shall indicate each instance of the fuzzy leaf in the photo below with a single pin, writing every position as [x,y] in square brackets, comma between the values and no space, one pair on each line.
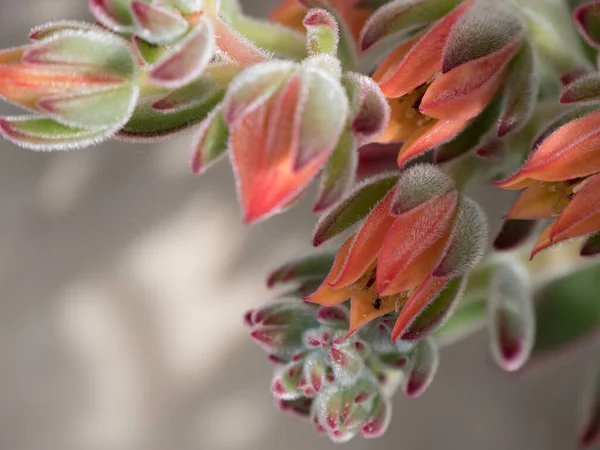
[369,110]
[587,19]
[353,208]
[338,174]
[186,6]
[487,27]
[379,418]
[285,384]
[402,17]
[334,316]
[46,30]
[322,33]
[309,267]
[417,184]
[425,361]
[37,133]
[436,313]
[520,93]
[187,59]
[113,14]
[149,125]
[193,94]
[511,317]
[468,242]
[211,142]
[158,24]
[253,87]
[149,53]
[586,88]
[514,233]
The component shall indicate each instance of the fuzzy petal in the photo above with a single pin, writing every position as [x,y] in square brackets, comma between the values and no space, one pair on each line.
[540,201]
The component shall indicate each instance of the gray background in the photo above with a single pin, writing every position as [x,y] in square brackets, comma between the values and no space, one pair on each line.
[123,279]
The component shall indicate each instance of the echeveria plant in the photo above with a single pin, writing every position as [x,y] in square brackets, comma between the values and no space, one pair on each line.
[397,108]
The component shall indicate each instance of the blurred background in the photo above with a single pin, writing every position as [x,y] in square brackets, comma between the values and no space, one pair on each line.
[123,281]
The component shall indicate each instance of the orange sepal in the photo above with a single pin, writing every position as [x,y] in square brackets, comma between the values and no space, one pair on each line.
[415,62]
[367,243]
[465,91]
[429,136]
[414,244]
[540,201]
[581,216]
[263,154]
[570,152]
[418,300]
[326,295]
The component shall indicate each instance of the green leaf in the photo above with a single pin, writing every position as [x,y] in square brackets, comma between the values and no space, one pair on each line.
[567,311]
[44,134]
[309,267]
[353,208]
[149,125]
[586,88]
[211,143]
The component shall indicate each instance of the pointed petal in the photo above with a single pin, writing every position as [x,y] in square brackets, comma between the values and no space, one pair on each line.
[568,153]
[35,133]
[425,361]
[326,295]
[402,17]
[511,317]
[367,243]
[465,91]
[540,201]
[210,143]
[583,89]
[157,24]
[418,301]
[238,49]
[587,19]
[513,234]
[338,174]
[438,311]
[418,184]
[355,207]
[582,214]
[187,59]
[322,119]
[520,92]
[414,244]
[468,243]
[422,61]
[429,136]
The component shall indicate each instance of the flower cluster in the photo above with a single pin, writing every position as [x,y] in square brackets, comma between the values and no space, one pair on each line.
[354,94]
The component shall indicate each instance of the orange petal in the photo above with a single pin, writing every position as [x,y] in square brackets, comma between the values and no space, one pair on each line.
[543,241]
[387,68]
[423,59]
[418,300]
[326,295]
[365,307]
[429,136]
[515,182]
[582,214]
[289,13]
[262,150]
[570,152]
[404,119]
[540,201]
[414,244]
[367,243]
[462,93]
